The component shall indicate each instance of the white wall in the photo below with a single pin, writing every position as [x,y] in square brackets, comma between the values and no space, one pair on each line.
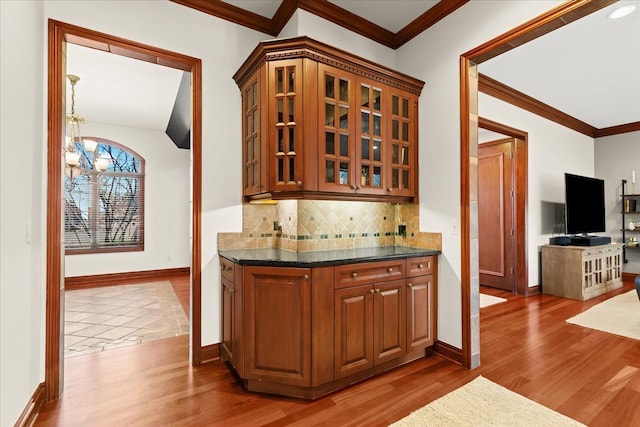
[434,57]
[167,205]
[22,136]
[553,150]
[615,159]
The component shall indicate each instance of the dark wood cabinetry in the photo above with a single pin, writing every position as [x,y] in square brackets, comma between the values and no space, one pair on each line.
[321,123]
[305,332]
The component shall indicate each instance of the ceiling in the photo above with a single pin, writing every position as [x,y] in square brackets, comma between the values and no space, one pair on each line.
[587,69]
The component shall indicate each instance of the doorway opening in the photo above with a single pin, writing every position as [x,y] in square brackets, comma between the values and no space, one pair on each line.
[59,34]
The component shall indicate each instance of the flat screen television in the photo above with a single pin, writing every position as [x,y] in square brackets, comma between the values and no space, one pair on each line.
[584,204]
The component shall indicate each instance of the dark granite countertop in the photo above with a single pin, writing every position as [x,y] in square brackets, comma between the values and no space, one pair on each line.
[283,258]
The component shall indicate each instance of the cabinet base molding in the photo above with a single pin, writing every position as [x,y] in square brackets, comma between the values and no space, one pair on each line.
[210,353]
[448,352]
[320,391]
[31,411]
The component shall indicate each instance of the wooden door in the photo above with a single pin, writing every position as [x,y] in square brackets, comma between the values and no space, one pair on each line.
[353,330]
[389,308]
[495,214]
[278,325]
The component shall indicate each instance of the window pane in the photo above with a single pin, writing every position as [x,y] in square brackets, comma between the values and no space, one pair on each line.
[376,125]
[280,110]
[344,173]
[280,141]
[405,179]
[365,148]
[329,87]
[394,105]
[330,111]
[118,220]
[344,118]
[256,148]
[376,100]
[344,90]
[256,173]
[249,149]
[280,170]
[344,145]
[395,133]
[330,143]
[405,155]
[395,154]
[255,94]
[330,174]
[364,96]
[77,230]
[405,131]
[292,76]
[255,123]
[377,181]
[365,121]
[405,108]
[279,80]
[377,148]
[364,175]
[292,169]
[291,110]
[394,178]
[292,133]
[248,99]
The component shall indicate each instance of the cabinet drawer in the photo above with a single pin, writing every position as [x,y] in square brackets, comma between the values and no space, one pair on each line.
[227,269]
[420,266]
[371,272]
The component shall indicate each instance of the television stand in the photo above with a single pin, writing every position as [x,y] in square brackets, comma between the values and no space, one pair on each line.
[583,240]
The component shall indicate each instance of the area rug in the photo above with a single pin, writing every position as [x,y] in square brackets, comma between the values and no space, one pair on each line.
[487,300]
[619,315]
[484,403]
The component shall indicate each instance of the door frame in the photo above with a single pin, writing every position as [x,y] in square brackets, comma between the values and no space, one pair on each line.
[59,34]
[520,146]
[549,21]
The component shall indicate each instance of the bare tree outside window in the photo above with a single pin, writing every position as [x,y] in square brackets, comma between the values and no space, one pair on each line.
[104,210]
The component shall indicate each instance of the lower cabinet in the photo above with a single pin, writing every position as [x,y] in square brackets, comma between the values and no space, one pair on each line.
[306,332]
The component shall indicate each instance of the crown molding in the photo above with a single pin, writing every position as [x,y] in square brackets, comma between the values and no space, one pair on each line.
[326,10]
[616,130]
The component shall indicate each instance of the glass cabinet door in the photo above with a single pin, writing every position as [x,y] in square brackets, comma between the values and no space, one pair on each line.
[336,130]
[253,179]
[372,140]
[285,121]
[402,155]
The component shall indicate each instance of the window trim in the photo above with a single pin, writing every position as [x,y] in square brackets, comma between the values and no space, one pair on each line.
[139,247]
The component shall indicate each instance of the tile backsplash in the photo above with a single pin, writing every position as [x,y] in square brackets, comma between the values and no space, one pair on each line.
[311,225]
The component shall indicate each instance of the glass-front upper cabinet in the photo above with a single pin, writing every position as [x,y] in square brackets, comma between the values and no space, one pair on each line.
[372,138]
[403,142]
[336,130]
[254,173]
[285,118]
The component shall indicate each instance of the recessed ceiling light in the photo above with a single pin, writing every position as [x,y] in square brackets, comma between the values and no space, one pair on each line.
[621,12]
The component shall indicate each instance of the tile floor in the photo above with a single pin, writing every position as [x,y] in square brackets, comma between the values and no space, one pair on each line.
[101,319]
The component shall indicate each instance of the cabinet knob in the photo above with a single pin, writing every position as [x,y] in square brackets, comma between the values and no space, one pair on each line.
[353,186]
[389,270]
[377,290]
[357,187]
[371,291]
[305,277]
[389,189]
[231,291]
[410,285]
[354,275]
[420,266]
[299,183]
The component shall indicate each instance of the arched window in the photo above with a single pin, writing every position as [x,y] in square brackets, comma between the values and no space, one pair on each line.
[104,198]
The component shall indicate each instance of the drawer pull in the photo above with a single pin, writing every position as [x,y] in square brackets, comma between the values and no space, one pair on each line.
[389,270]
[231,291]
[410,285]
[354,275]
[371,291]
[305,277]
[429,265]
[377,290]
[420,266]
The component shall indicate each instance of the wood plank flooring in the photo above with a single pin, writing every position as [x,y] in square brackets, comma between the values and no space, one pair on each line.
[526,345]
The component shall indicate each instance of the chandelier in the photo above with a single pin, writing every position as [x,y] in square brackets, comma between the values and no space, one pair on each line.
[80,161]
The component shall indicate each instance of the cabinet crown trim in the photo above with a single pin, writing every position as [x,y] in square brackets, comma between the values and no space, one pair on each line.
[305,47]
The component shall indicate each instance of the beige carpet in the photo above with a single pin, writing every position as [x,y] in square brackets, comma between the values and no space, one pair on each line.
[487,300]
[484,403]
[619,315]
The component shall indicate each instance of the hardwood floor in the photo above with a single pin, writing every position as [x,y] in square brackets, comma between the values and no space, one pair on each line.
[591,376]
[182,287]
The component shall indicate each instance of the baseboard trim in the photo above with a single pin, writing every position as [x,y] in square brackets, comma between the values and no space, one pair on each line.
[448,352]
[210,353]
[31,411]
[100,280]
[533,290]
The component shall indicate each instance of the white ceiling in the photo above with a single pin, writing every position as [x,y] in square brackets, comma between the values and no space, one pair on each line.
[587,69]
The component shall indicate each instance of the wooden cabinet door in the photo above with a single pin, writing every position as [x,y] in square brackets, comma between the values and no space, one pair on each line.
[353,330]
[420,312]
[389,321]
[228,305]
[285,125]
[336,130]
[371,140]
[402,156]
[277,325]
